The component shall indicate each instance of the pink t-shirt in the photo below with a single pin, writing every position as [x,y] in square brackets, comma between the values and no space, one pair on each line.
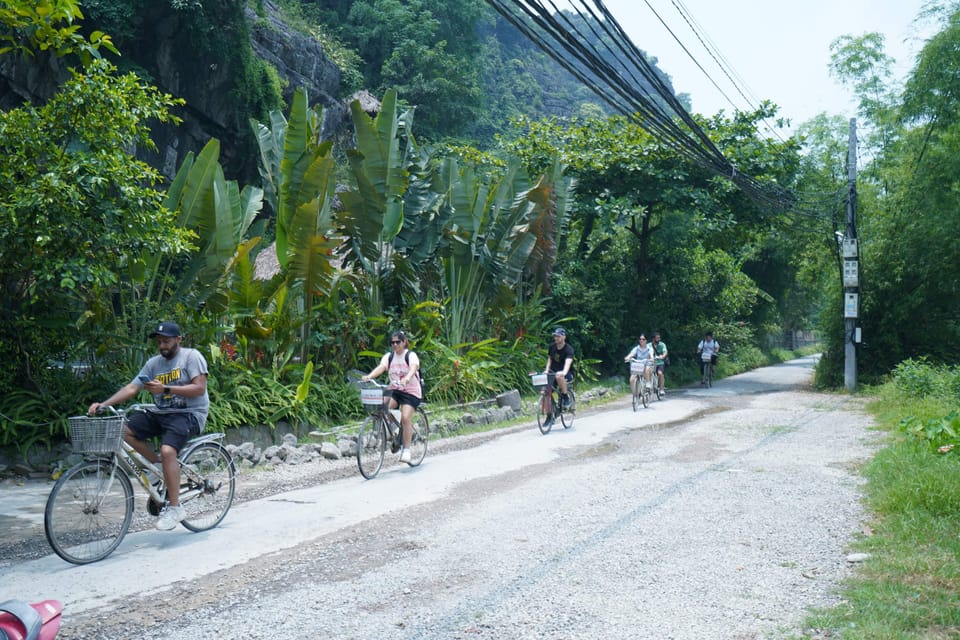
[398,369]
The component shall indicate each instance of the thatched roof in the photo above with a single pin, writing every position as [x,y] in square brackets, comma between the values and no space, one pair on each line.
[368,102]
[266,265]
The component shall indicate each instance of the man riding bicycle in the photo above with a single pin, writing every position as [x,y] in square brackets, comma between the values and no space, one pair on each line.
[177,378]
[708,350]
[559,362]
[659,359]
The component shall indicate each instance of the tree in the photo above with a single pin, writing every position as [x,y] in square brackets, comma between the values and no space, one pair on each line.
[29,27]
[76,211]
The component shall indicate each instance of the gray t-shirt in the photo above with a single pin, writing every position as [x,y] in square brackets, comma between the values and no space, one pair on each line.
[179,370]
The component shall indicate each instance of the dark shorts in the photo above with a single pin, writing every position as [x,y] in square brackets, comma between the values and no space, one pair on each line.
[660,368]
[402,397]
[173,428]
[568,377]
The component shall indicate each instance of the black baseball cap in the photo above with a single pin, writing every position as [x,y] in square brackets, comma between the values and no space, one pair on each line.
[168,329]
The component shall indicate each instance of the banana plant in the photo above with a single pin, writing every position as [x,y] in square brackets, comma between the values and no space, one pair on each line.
[298,173]
[219,216]
[374,209]
[492,228]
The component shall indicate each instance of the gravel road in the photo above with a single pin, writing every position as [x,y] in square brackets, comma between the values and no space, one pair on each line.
[729,523]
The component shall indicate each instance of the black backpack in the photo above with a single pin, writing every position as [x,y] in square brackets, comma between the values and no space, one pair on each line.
[406,358]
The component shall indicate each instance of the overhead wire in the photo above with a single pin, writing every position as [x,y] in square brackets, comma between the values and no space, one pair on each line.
[634,87]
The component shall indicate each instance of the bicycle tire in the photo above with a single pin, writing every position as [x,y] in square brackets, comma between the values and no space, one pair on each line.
[635,389]
[645,394]
[88,511]
[567,415]
[419,438]
[371,445]
[542,423]
[207,499]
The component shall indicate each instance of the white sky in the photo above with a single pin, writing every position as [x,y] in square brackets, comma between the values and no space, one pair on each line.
[778,50]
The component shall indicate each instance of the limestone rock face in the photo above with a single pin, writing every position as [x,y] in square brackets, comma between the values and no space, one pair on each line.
[162,53]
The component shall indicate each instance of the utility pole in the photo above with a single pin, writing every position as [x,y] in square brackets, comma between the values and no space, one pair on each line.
[851,269]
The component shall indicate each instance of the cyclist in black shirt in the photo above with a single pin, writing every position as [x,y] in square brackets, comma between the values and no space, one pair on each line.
[560,362]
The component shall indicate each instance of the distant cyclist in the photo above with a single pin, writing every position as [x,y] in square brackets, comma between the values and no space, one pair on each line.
[641,353]
[708,350]
[559,362]
[659,359]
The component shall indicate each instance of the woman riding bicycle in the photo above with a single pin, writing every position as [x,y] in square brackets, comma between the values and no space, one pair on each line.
[642,353]
[406,392]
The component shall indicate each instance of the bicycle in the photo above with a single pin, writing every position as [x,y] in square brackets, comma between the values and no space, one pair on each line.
[639,386]
[89,509]
[545,383]
[709,367]
[381,428]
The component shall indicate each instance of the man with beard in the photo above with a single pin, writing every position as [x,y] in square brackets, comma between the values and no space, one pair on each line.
[177,378]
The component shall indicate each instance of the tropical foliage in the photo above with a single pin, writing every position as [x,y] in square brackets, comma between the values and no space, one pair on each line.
[587,221]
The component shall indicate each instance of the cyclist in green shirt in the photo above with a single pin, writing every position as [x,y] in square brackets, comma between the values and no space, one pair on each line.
[659,359]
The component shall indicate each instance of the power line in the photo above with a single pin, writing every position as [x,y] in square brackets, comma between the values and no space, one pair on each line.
[633,87]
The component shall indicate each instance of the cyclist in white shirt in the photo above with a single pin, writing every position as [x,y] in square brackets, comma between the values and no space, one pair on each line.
[641,353]
[708,350]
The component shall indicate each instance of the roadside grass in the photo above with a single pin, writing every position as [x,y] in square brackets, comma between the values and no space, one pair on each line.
[909,587]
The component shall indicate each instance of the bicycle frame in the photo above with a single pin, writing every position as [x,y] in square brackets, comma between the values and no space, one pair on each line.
[135,464]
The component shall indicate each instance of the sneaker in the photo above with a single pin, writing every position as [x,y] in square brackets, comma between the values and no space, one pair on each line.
[548,422]
[565,402]
[405,456]
[170,517]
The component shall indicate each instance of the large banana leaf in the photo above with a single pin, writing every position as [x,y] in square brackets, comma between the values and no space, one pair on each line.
[218,214]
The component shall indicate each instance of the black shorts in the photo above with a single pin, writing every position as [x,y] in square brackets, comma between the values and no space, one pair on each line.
[173,428]
[402,397]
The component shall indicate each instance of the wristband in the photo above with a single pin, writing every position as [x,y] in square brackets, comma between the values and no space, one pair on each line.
[166,390]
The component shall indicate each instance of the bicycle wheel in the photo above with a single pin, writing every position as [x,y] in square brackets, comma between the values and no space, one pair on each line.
[542,415]
[420,437]
[208,482]
[567,415]
[371,442]
[710,375]
[88,511]
[635,388]
[645,394]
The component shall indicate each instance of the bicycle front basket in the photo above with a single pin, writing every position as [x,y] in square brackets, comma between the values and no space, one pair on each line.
[538,380]
[372,398]
[95,435]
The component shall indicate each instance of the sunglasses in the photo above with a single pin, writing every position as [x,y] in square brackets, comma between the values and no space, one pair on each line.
[396,342]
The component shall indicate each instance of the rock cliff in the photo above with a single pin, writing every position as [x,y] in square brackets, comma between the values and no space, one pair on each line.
[214,107]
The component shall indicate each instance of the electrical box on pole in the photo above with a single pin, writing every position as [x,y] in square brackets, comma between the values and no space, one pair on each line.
[849,248]
[851,273]
[851,305]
